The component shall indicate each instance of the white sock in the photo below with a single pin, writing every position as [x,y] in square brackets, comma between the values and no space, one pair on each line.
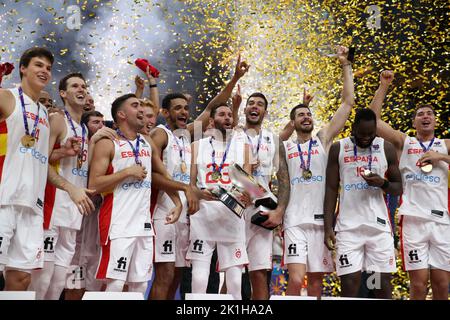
[114,285]
[57,284]
[40,279]
[200,275]
[233,277]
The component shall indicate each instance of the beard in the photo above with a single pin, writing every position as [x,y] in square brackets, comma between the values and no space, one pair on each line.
[299,128]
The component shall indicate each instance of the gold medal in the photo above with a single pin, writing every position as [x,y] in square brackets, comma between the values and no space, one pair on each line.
[79,162]
[367,172]
[28,141]
[183,167]
[216,175]
[427,168]
[307,174]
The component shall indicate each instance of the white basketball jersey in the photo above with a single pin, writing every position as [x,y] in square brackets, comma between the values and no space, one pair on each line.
[214,221]
[359,203]
[307,195]
[59,209]
[172,162]
[126,210]
[23,171]
[264,154]
[425,195]
[235,154]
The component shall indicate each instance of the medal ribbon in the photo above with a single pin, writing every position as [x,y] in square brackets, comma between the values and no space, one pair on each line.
[355,153]
[178,144]
[300,154]
[135,150]
[24,113]
[83,132]
[255,154]
[213,156]
[426,149]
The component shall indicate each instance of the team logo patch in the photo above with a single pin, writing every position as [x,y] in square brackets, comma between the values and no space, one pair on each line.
[238,253]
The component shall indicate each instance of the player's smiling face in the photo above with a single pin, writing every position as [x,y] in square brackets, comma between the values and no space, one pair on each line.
[255,110]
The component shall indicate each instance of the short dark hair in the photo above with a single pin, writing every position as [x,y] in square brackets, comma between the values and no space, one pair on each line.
[169,97]
[63,81]
[420,106]
[85,117]
[259,95]
[118,103]
[364,114]
[32,53]
[217,106]
[294,109]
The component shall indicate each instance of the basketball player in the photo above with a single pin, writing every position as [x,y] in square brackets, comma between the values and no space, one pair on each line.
[24,150]
[119,169]
[304,251]
[425,221]
[215,224]
[364,239]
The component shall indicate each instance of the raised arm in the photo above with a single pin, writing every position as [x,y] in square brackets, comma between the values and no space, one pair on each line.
[236,104]
[331,194]
[240,70]
[337,123]
[288,129]
[384,130]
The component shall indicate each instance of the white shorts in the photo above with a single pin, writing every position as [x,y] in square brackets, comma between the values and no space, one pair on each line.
[229,254]
[304,244]
[82,276]
[59,245]
[424,243]
[165,241]
[259,247]
[21,234]
[182,244]
[127,259]
[364,249]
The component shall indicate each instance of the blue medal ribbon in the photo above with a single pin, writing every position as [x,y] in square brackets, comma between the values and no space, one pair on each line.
[213,156]
[178,144]
[300,154]
[83,134]
[255,154]
[24,113]
[426,148]
[135,150]
[355,153]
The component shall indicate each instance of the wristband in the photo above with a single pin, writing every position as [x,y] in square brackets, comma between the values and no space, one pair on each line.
[153,85]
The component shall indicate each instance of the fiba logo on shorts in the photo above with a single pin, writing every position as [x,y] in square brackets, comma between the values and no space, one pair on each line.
[343,260]
[198,246]
[48,244]
[238,253]
[325,261]
[413,256]
[121,265]
[167,247]
[292,250]
[391,260]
